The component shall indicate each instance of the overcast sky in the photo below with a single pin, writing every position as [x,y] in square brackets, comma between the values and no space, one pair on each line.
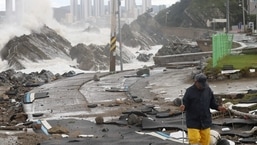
[58,3]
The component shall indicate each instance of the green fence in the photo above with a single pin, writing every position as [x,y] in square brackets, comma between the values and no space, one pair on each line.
[221,46]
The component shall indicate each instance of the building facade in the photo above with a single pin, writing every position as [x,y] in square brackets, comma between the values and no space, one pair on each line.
[130,8]
[9,7]
[86,9]
[74,10]
[146,4]
[99,8]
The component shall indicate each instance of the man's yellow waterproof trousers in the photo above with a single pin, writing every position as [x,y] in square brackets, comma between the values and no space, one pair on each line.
[199,136]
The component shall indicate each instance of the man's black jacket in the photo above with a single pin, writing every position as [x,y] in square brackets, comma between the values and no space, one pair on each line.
[197,106]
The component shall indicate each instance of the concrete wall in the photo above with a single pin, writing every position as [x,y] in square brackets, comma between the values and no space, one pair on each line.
[164,60]
[188,33]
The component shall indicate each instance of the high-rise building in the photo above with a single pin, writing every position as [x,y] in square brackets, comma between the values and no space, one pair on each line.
[74,10]
[146,4]
[9,7]
[86,9]
[99,9]
[19,9]
[109,7]
[130,7]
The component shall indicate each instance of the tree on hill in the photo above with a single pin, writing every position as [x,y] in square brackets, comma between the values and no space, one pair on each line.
[195,13]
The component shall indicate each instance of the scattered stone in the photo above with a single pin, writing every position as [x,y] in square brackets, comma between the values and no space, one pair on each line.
[133,119]
[235,76]
[155,98]
[71,141]
[69,74]
[146,109]
[5,97]
[58,130]
[21,117]
[119,101]
[105,129]
[96,78]
[144,57]
[113,105]
[37,114]
[138,100]
[92,105]
[250,91]
[143,71]
[177,48]
[99,120]
[223,142]
[12,91]
[133,97]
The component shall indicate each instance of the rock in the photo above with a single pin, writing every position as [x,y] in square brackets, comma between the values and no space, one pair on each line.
[223,142]
[144,57]
[133,119]
[235,76]
[4,97]
[46,76]
[96,78]
[69,74]
[173,48]
[21,117]
[58,130]
[99,120]
[143,71]
[221,77]
[119,101]
[138,100]
[12,91]
[37,114]
[144,32]
[21,47]
[92,105]
[105,129]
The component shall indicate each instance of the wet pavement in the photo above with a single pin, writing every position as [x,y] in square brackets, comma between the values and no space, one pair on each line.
[71,96]
[83,99]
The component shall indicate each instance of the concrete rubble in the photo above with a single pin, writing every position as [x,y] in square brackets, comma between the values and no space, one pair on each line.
[143,100]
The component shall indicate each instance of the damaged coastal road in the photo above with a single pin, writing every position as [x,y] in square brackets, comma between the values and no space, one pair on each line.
[122,108]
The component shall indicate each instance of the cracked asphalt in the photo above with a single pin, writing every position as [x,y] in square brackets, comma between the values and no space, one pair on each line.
[70,98]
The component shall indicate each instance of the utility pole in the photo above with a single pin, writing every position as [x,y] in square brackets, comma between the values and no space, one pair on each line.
[120,41]
[166,20]
[243,8]
[255,8]
[227,8]
[113,36]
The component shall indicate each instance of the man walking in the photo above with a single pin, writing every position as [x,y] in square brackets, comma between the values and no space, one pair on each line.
[197,102]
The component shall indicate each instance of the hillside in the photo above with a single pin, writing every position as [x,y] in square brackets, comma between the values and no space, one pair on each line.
[196,13]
